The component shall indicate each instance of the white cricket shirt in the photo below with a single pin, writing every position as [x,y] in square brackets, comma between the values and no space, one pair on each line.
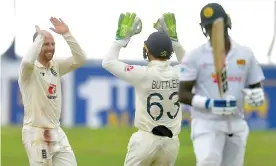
[41,87]
[156,89]
[242,70]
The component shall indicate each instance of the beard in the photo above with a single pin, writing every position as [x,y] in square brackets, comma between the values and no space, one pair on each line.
[48,55]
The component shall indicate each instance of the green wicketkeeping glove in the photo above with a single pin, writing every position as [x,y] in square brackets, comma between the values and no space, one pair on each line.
[128,26]
[167,23]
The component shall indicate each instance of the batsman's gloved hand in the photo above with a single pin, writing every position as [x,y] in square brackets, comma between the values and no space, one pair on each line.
[254,97]
[167,23]
[128,26]
[227,106]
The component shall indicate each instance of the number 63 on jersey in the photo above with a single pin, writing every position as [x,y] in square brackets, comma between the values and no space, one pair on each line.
[159,105]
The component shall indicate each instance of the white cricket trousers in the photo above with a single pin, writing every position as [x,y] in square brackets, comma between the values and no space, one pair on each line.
[214,147]
[146,149]
[47,147]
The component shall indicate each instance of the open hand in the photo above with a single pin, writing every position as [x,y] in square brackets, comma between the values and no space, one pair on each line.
[167,23]
[39,31]
[59,26]
[128,26]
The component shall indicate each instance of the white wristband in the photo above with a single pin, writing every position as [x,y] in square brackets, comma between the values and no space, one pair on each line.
[199,101]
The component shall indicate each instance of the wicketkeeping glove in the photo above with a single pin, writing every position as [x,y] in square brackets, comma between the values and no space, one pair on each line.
[167,23]
[254,97]
[128,26]
[225,106]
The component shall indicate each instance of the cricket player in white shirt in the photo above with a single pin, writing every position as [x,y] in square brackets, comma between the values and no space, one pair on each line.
[39,80]
[158,116]
[218,130]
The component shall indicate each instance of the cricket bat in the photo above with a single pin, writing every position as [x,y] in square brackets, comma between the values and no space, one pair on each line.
[217,39]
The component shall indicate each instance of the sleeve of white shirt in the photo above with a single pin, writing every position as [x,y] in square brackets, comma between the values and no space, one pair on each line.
[178,50]
[132,74]
[27,63]
[189,68]
[77,59]
[255,72]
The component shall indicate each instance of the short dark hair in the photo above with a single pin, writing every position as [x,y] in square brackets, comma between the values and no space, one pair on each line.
[34,36]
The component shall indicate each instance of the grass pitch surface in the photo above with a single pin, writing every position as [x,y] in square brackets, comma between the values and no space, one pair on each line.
[107,147]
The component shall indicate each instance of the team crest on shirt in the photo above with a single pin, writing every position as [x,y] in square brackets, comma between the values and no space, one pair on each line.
[44,153]
[53,72]
[241,62]
[129,68]
[52,91]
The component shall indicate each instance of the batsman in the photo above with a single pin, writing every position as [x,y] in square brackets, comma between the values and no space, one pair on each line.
[216,79]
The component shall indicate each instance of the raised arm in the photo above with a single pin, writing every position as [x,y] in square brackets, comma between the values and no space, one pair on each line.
[167,23]
[129,73]
[178,50]
[128,25]
[27,63]
[78,57]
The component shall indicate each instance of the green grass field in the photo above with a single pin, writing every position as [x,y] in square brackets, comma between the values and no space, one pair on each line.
[106,147]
